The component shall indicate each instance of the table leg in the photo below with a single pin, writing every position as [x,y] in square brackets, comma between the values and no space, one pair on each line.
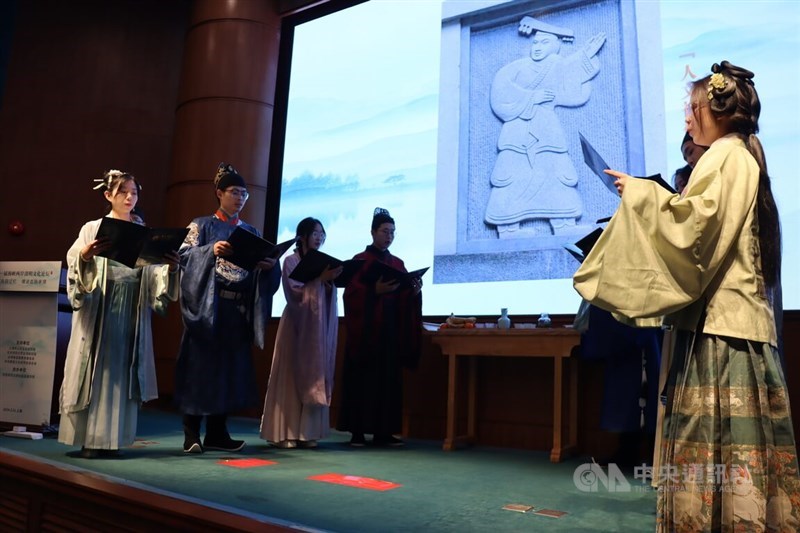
[452,410]
[473,379]
[573,403]
[555,453]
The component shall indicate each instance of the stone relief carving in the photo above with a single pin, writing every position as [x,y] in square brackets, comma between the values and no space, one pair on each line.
[533,176]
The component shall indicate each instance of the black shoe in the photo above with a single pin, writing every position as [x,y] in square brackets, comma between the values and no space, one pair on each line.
[192,447]
[358,440]
[226,445]
[110,454]
[89,453]
[217,436]
[191,434]
[387,440]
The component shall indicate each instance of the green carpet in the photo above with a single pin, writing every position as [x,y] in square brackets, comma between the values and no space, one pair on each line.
[463,490]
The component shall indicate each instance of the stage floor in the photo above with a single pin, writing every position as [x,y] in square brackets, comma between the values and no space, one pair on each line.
[338,488]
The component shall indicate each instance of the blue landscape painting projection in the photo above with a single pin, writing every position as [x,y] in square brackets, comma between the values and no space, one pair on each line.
[379,109]
[361,128]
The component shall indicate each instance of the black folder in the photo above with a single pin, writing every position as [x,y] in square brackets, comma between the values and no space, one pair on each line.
[135,245]
[249,248]
[351,267]
[595,162]
[581,248]
[379,270]
[314,263]
[658,179]
[159,242]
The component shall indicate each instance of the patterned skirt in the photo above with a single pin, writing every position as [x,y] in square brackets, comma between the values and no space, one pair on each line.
[728,459]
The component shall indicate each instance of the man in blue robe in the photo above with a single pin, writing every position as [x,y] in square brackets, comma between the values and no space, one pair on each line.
[225,309]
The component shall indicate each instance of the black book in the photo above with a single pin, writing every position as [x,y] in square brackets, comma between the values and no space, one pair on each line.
[581,248]
[658,179]
[351,268]
[249,248]
[135,245]
[314,263]
[378,270]
[281,248]
[160,241]
[595,162]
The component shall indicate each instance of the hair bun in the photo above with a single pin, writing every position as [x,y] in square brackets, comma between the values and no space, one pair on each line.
[729,69]
[108,178]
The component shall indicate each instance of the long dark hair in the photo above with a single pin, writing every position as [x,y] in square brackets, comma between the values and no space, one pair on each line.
[732,97]
[304,230]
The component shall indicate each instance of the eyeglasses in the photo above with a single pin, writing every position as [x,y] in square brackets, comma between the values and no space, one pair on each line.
[693,108]
[238,193]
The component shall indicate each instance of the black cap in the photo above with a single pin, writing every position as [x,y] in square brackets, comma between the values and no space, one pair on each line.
[227,176]
[381,216]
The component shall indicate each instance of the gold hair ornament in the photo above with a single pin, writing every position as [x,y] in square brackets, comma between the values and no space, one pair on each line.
[717,81]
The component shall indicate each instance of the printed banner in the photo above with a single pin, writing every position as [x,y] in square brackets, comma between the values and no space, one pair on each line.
[27,361]
[28,336]
[30,276]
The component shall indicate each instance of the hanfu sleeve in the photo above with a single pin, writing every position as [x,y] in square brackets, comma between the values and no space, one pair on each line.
[82,276]
[197,282]
[659,252]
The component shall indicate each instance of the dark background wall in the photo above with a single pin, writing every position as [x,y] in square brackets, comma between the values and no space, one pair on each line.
[88,85]
[7,10]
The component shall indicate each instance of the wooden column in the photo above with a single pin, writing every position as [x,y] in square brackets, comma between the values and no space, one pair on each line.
[225,105]
[224,112]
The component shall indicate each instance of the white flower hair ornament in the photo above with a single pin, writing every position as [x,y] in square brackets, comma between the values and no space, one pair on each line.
[108,177]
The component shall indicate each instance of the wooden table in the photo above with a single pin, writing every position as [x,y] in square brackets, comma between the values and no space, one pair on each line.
[545,342]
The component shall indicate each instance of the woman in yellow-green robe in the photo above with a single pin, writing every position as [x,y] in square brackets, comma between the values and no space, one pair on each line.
[706,262]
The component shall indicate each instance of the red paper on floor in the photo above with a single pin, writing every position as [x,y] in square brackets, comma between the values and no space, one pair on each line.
[356,481]
[245,463]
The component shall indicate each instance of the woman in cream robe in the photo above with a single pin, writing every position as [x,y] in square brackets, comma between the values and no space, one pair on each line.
[728,455]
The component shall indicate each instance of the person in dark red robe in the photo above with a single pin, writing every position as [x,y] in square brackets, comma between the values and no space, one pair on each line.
[383,321]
